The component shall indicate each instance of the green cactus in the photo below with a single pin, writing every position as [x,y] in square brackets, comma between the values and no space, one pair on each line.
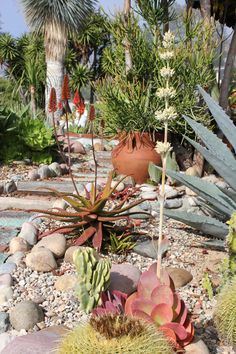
[93,276]
[232,244]
[224,317]
[128,335]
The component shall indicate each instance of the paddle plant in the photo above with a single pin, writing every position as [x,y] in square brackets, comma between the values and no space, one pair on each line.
[157,302]
[92,216]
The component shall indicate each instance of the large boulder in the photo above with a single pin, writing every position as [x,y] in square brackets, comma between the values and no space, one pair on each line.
[25,315]
[18,244]
[56,243]
[29,232]
[124,277]
[41,260]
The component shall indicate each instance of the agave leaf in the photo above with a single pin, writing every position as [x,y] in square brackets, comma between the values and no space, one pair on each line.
[179,330]
[212,142]
[57,213]
[97,239]
[144,305]
[162,314]
[162,294]
[206,190]
[89,232]
[206,224]
[226,170]
[224,122]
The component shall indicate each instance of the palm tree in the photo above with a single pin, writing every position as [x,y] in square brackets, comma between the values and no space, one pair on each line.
[55,20]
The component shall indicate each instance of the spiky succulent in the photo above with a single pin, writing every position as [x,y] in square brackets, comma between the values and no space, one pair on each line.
[225,313]
[232,244]
[92,215]
[111,334]
[157,302]
[112,303]
[94,277]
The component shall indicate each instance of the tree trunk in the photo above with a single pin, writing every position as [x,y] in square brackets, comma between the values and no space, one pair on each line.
[128,59]
[228,73]
[32,101]
[55,75]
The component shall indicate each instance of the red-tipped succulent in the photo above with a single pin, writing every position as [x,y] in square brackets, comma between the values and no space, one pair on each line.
[52,105]
[157,302]
[112,302]
[65,92]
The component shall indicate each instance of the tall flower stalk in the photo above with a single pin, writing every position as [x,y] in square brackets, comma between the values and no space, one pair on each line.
[167,92]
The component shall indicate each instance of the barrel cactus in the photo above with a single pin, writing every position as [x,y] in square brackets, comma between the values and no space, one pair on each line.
[94,276]
[157,302]
[225,313]
[109,334]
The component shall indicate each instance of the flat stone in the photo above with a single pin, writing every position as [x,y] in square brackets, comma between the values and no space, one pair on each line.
[197,347]
[18,244]
[6,279]
[124,277]
[4,322]
[7,268]
[16,258]
[6,294]
[41,260]
[180,277]
[5,338]
[120,186]
[148,188]
[29,232]
[173,203]
[172,193]
[44,341]
[211,179]
[66,282]
[56,243]
[138,210]
[60,204]
[149,195]
[69,254]
[149,248]
[25,315]
[23,203]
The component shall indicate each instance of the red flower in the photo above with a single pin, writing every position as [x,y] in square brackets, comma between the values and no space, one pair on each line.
[60,105]
[77,98]
[65,92]
[52,105]
[92,112]
[81,108]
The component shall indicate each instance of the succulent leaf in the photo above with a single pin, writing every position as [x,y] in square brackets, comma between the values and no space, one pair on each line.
[162,313]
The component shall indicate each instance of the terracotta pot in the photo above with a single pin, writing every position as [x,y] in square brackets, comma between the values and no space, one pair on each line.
[132,155]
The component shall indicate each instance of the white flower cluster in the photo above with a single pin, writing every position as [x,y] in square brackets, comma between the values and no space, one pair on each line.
[167,114]
[163,148]
[166,92]
[167,55]
[168,40]
[167,72]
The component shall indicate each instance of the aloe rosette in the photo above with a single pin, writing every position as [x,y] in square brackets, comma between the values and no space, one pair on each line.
[157,302]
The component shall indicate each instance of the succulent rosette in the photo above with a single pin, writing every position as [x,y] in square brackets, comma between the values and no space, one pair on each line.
[157,302]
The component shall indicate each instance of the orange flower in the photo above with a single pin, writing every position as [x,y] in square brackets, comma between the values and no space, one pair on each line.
[81,108]
[65,92]
[77,98]
[52,105]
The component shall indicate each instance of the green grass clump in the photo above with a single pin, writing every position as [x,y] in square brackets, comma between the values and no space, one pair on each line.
[113,334]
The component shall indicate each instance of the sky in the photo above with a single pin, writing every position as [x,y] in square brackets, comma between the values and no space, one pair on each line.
[12,19]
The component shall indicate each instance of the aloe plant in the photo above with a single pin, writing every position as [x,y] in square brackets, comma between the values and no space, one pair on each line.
[91,218]
[222,159]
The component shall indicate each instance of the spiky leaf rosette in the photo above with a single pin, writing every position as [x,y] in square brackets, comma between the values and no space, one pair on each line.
[87,339]
[225,313]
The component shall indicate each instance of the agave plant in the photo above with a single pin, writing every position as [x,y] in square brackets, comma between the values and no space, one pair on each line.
[221,157]
[92,214]
[157,302]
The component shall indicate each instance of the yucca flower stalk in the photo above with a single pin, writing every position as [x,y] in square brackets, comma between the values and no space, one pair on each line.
[168,113]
